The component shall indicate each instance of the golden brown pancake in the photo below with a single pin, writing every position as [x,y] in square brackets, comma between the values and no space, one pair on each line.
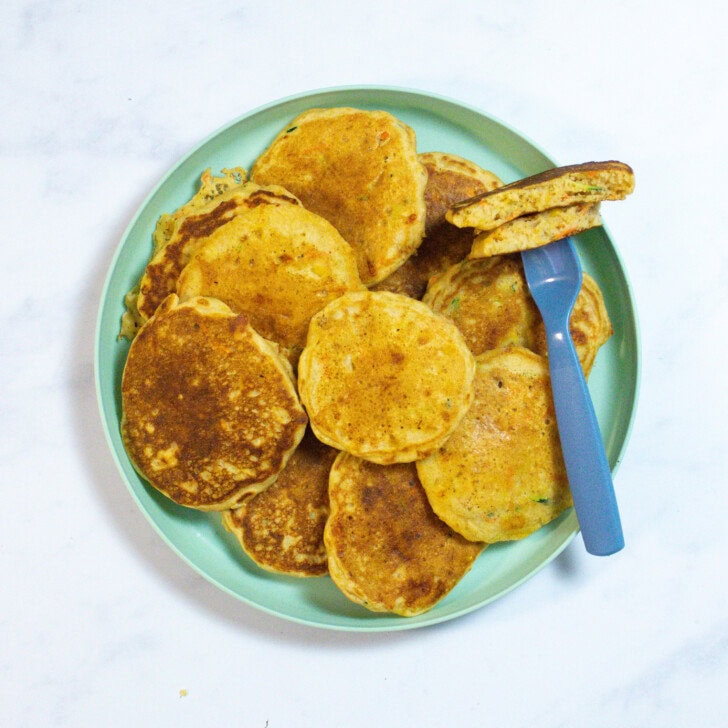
[210,411]
[211,187]
[574,184]
[383,377]
[190,231]
[589,325]
[501,475]
[282,528]
[450,178]
[387,549]
[277,263]
[536,229]
[359,170]
[489,301]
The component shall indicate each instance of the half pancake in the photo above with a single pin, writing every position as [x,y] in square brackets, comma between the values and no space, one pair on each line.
[387,550]
[574,184]
[383,377]
[501,475]
[210,411]
[536,229]
[450,178]
[359,170]
[282,528]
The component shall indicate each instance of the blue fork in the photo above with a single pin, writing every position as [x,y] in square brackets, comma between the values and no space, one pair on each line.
[553,273]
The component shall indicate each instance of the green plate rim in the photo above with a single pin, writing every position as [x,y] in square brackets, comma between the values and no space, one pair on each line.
[395,623]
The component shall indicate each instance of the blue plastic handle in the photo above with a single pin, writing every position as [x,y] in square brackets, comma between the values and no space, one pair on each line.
[590,477]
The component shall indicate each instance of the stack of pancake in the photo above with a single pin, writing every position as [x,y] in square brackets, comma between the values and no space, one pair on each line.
[332,355]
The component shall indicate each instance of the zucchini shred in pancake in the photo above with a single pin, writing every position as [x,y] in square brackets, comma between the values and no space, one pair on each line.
[359,170]
[383,377]
[210,410]
[387,550]
[501,475]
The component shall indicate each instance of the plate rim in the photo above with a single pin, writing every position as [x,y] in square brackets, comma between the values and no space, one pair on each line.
[402,623]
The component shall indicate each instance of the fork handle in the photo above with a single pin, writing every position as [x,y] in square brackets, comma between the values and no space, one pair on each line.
[587,469]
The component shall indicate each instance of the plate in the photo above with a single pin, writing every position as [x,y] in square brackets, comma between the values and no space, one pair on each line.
[441,124]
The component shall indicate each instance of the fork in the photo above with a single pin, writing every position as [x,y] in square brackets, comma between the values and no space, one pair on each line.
[554,275]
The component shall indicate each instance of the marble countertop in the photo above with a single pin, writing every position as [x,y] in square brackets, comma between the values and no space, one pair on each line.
[101,623]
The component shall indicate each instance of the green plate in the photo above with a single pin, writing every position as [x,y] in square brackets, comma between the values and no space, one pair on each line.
[441,124]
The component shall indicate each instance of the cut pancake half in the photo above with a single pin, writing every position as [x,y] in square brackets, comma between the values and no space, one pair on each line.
[574,184]
[536,229]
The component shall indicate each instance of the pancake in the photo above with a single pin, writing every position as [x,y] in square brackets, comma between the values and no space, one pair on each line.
[383,377]
[278,264]
[210,411]
[450,178]
[161,274]
[536,229]
[211,187]
[359,170]
[387,549]
[282,528]
[589,325]
[489,301]
[501,475]
[574,184]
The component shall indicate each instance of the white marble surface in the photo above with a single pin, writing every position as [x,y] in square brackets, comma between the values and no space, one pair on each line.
[101,623]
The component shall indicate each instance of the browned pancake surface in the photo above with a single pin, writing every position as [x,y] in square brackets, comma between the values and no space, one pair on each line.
[569,185]
[501,475]
[282,528]
[383,377]
[489,301]
[450,178]
[163,270]
[387,549]
[536,229]
[277,263]
[210,412]
[359,170]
